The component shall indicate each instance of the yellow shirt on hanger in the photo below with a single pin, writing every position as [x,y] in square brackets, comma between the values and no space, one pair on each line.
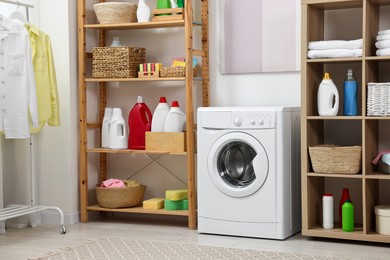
[45,78]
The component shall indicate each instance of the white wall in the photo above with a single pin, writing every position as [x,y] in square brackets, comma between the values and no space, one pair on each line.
[57,156]
[258,89]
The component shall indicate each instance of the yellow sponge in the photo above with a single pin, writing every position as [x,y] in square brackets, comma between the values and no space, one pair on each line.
[176,194]
[155,203]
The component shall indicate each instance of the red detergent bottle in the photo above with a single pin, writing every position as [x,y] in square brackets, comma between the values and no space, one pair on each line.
[140,119]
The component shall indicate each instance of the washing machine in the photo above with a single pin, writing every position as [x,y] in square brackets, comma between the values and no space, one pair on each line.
[248,165]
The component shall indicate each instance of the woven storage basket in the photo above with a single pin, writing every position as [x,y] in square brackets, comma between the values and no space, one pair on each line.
[117,62]
[116,12]
[336,159]
[378,99]
[174,72]
[120,197]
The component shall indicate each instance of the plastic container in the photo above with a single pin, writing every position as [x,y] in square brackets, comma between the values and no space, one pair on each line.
[382,216]
[350,94]
[140,119]
[344,198]
[327,211]
[106,127]
[175,120]
[348,216]
[327,97]
[159,115]
[118,132]
[143,12]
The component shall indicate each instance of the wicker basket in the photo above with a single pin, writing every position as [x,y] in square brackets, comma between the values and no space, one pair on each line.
[336,159]
[378,99]
[117,62]
[174,72]
[115,12]
[120,197]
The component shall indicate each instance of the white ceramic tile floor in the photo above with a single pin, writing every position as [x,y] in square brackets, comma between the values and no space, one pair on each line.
[19,244]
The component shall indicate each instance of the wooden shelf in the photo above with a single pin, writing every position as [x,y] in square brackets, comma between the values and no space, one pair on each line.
[100,94]
[343,130]
[141,210]
[127,26]
[133,79]
[330,175]
[104,150]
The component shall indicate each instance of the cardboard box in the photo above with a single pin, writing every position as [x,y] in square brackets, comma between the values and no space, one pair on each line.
[166,141]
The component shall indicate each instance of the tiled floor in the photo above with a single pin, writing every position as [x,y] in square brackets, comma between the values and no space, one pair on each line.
[33,242]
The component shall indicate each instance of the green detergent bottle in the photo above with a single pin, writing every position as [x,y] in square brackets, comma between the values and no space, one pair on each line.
[180,3]
[348,218]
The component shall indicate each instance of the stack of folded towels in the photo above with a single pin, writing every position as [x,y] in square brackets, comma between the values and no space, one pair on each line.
[383,43]
[335,49]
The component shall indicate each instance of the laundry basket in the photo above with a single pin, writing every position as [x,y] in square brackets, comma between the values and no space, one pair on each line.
[336,159]
[378,99]
[120,197]
[115,12]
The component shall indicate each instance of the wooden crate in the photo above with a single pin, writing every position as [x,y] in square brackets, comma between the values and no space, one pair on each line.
[168,14]
[166,141]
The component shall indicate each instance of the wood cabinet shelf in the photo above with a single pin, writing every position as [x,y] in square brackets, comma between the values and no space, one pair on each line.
[141,210]
[100,96]
[368,187]
[133,79]
[104,150]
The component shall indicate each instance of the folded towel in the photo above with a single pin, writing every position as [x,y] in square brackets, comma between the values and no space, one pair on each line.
[113,183]
[383,44]
[387,31]
[383,37]
[334,53]
[383,52]
[336,44]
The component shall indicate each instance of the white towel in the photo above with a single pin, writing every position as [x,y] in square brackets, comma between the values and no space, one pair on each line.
[387,31]
[383,52]
[383,44]
[382,37]
[334,53]
[336,44]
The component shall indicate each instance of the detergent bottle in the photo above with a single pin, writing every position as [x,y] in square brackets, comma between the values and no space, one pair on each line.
[159,115]
[140,119]
[106,127]
[327,97]
[118,131]
[175,120]
[350,94]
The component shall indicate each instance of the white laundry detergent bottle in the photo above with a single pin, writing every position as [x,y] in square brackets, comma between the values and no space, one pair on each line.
[327,97]
[175,120]
[118,132]
[159,115]
[106,127]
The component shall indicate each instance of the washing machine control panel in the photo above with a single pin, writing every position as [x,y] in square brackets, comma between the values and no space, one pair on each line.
[253,120]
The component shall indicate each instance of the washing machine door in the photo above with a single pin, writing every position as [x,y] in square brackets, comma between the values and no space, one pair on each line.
[238,164]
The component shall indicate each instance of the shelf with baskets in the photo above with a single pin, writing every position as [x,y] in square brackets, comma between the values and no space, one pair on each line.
[321,22]
[99,85]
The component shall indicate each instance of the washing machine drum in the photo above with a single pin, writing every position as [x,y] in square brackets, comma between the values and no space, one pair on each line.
[238,164]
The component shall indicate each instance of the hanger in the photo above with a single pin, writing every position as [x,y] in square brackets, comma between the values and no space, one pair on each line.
[2,26]
[18,16]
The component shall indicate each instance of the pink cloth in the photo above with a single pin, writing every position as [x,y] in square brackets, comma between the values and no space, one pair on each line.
[113,183]
[378,157]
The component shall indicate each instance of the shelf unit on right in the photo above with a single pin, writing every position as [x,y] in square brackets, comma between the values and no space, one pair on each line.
[319,22]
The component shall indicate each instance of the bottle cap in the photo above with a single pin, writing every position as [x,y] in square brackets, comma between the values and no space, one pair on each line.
[140,99]
[327,75]
[328,195]
[163,100]
[175,103]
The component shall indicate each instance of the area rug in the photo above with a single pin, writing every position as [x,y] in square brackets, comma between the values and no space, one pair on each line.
[117,248]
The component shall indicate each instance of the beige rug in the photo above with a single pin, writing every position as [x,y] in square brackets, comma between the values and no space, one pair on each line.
[117,248]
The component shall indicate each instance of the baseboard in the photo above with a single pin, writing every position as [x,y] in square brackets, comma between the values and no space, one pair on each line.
[52,217]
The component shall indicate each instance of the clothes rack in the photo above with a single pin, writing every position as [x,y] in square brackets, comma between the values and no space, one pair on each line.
[13,211]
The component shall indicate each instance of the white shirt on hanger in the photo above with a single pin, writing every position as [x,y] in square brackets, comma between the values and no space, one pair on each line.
[18,98]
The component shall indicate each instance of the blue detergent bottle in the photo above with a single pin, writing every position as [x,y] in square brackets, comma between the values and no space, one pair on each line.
[350,94]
